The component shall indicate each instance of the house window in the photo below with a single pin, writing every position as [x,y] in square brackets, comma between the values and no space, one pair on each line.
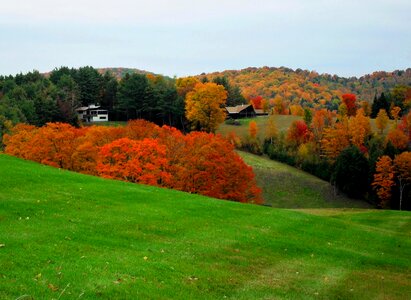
[103,118]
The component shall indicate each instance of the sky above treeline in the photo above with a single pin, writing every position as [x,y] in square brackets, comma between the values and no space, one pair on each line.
[187,37]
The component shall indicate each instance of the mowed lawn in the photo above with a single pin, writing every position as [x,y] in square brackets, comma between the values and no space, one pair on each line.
[70,236]
[282,122]
[288,187]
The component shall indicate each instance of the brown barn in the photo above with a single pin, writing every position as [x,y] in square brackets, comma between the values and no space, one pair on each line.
[240,111]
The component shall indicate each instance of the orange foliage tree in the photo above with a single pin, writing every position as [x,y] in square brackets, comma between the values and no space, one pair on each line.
[405,125]
[402,167]
[322,119]
[18,142]
[335,139]
[253,129]
[135,161]
[210,166]
[85,155]
[384,179]
[52,144]
[397,138]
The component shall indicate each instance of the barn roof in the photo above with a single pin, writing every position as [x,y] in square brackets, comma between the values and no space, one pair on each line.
[237,109]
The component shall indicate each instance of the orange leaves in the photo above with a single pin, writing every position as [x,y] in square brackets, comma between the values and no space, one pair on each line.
[298,133]
[335,139]
[397,138]
[141,152]
[135,161]
[253,129]
[384,179]
[52,144]
[209,166]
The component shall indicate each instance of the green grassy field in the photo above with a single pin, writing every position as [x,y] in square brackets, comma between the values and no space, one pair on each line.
[287,187]
[282,122]
[70,236]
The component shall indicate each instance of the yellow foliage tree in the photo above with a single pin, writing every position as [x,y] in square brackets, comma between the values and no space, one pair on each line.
[205,106]
[359,128]
[185,85]
[382,120]
[271,130]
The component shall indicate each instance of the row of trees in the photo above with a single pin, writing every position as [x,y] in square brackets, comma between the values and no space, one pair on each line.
[141,152]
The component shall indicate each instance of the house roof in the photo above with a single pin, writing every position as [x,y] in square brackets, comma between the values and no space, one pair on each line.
[91,107]
[237,109]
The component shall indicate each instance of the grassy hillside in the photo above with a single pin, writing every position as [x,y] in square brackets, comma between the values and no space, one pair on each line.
[287,187]
[282,122]
[69,236]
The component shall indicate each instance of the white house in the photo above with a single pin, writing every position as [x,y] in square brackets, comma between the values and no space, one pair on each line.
[92,113]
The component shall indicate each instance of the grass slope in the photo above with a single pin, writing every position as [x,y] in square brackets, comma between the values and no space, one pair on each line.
[282,122]
[69,236]
[287,187]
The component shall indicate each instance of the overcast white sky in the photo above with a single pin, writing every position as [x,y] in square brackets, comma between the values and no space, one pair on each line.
[187,37]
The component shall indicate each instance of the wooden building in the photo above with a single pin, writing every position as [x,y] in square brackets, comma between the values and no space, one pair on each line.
[240,111]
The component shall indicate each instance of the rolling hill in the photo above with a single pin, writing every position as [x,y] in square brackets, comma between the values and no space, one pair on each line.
[68,236]
[310,88]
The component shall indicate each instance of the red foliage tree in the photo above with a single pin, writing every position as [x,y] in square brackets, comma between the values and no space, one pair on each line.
[298,133]
[210,166]
[257,102]
[135,161]
[350,101]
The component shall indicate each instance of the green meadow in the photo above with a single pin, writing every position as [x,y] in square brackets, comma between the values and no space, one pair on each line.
[70,236]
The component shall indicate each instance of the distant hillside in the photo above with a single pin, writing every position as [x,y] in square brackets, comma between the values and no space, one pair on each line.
[121,72]
[309,87]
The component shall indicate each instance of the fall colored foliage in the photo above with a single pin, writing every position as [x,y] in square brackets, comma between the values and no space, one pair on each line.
[257,102]
[382,120]
[141,152]
[350,102]
[397,138]
[335,139]
[271,130]
[298,132]
[204,106]
[209,166]
[359,128]
[384,179]
[253,129]
[402,167]
[141,161]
